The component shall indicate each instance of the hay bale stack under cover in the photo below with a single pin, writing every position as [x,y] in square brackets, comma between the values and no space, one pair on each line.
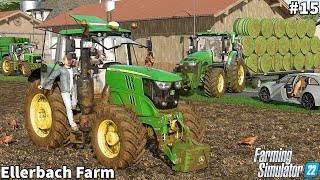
[301,28]
[295,45]
[272,45]
[315,44]
[279,27]
[308,60]
[277,62]
[251,62]
[310,28]
[248,45]
[252,27]
[286,65]
[266,63]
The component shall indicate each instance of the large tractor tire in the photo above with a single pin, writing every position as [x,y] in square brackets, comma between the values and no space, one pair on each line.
[25,68]
[46,117]
[7,66]
[192,120]
[214,82]
[236,76]
[117,137]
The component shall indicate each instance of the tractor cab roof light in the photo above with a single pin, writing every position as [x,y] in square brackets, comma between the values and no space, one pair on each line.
[113,25]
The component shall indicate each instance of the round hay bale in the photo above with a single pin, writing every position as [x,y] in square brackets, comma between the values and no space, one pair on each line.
[253,27]
[245,27]
[310,28]
[283,45]
[316,60]
[298,61]
[266,63]
[295,45]
[272,45]
[252,63]
[315,44]
[248,45]
[260,45]
[266,27]
[291,28]
[240,25]
[277,62]
[308,60]
[286,64]
[305,45]
[236,24]
[301,28]
[279,27]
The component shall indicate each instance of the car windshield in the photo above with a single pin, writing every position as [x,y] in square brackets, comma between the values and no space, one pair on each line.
[113,42]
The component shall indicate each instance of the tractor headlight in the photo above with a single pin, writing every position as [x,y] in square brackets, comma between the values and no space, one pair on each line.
[163,85]
[177,84]
[192,63]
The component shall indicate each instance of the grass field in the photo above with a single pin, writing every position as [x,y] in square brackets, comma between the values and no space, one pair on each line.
[253,102]
[14,78]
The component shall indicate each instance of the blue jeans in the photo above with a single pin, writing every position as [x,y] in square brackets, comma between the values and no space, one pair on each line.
[69,100]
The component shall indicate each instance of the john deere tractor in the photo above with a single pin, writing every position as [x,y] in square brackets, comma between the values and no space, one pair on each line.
[119,105]
[16,54]
[214,64]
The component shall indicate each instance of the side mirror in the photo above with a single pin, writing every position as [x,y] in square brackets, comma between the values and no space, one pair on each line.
[70,45]
[44,68]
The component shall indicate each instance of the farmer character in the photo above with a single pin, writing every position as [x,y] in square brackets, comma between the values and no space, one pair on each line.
[96,56]
[299,87]
[67,73]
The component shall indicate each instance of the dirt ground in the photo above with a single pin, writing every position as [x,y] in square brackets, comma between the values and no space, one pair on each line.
[225,126]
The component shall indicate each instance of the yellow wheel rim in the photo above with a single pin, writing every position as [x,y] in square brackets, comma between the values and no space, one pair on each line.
[240,75]
[40,115]
[23,70]
[5,66]
[109,139]
[220,83]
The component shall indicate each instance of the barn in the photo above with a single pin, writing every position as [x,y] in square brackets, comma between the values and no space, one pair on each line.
[166,21]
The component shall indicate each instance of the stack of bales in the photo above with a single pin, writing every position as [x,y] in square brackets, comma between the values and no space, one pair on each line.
[271,45]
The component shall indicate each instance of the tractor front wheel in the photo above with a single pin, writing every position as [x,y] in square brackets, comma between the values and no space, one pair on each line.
[214,82]
[25,69]
[46,117]
[237,77]
[117,137]
[192,120]
[7,66]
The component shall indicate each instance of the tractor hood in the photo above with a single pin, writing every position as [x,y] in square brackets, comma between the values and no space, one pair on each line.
[154,74]
[198,56]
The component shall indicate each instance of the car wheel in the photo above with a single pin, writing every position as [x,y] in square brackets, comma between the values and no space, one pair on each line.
[307,101]
[264,94]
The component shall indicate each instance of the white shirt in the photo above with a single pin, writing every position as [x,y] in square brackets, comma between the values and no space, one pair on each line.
[71,78]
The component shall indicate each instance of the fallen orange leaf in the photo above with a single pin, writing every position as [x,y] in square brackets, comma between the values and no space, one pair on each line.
[13,124]
[248,141]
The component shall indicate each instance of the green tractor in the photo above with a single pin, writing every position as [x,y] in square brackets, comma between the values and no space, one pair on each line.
[214,64]
[118,105]
[16,54]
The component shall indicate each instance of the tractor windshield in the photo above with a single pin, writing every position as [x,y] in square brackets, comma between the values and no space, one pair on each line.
[213,43]
[114,42]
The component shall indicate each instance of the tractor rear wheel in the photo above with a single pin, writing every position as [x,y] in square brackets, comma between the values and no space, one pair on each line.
[192,120]
[7,66]
[117,137]
[46,117]
[214,82]
[237,77]
[25,69]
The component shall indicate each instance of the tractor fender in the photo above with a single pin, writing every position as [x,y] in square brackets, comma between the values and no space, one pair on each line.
[36,74]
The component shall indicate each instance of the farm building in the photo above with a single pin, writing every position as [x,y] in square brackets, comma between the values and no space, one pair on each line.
[166,25]
[19,24]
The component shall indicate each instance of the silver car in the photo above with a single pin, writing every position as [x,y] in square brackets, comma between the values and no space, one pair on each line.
[300,88]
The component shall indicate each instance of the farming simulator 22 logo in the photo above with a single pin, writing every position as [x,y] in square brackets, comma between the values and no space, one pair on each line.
[278,163]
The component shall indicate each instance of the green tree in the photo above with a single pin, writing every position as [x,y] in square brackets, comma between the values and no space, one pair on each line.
[8,5]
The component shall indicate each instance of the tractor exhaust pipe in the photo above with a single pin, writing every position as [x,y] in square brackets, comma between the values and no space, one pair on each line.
[85,82]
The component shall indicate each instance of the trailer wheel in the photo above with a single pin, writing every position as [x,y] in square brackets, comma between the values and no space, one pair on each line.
[256,83]
[237,77]
[7,66]
[46,117]
[214,82]
[117,137]
[25,69]
[192,120]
